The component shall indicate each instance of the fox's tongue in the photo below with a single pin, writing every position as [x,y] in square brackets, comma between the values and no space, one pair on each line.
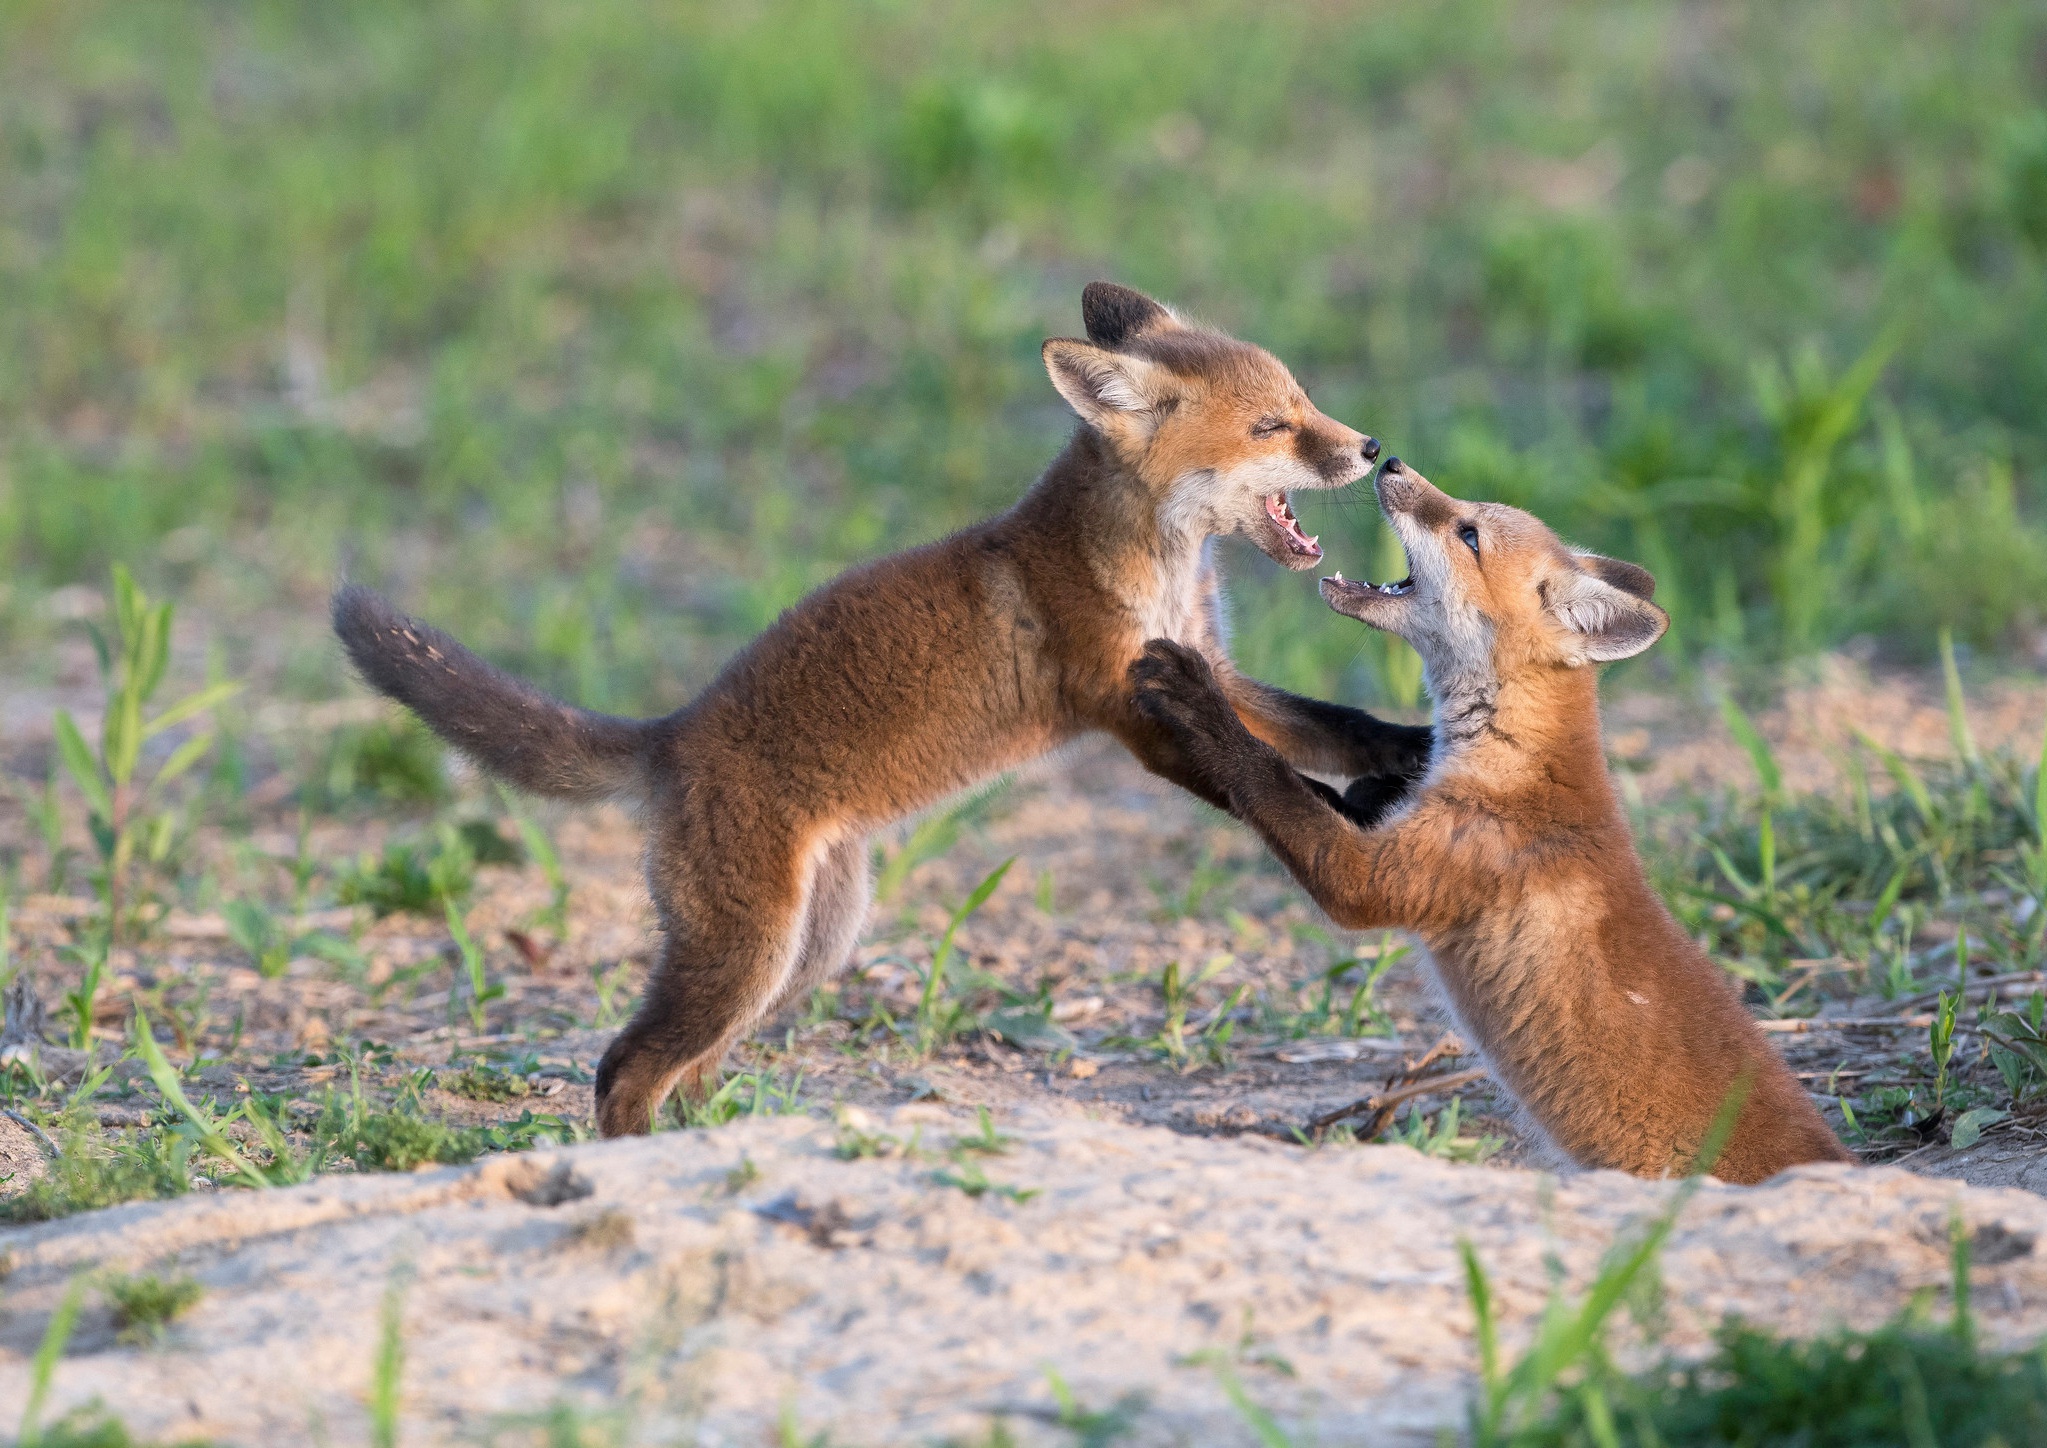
[1276,509]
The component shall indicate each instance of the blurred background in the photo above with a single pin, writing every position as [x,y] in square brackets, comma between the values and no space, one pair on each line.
[603,331]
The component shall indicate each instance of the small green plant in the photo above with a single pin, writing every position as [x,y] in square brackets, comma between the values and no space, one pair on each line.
[1327,1014]
[395,761]
[856,1143]
[82,1004]
[198,1126]
[387,1372]
[745,1093]
[1941,1040]
[252,927]
[482,990]
[971,1178]
[540,849]
[1443,1138]
[43,1367]
[420,877]
[1177,1042]
[987,1141]
[484,1082]
[1184,900]
[1094,1428]
[610,982]
[122,806]
[938,1016]
[932,837]
[146,1304]
[95,1168]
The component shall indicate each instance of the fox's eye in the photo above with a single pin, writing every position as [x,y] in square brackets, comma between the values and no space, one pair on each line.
[1470,536]
[1267,426]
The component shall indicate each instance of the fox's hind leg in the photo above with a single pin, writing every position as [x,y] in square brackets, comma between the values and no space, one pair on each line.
[736,928]
[840,894]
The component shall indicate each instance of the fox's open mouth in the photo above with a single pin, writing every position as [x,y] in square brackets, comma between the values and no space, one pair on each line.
[1359,600]
[1289,526]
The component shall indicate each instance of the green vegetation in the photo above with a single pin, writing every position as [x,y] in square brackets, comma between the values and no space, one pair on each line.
[566,297]
[146,1304]
[1923,883]
[940,1013]
[124,813]
[102,1169]
[394,762]
[1909,1381]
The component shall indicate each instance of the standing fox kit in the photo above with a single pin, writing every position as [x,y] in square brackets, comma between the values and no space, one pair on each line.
[914,677]
[1513,860]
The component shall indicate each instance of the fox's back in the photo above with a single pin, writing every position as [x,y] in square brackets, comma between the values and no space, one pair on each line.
[897,683]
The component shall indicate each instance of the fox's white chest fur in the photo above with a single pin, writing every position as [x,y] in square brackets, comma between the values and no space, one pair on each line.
[1176,606]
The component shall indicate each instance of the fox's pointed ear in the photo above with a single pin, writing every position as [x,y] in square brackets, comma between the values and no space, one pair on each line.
[1112,391]
[1113,314]
[1604,622]
[1627,577]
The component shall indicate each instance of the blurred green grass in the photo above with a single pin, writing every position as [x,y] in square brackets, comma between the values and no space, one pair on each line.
[602,331]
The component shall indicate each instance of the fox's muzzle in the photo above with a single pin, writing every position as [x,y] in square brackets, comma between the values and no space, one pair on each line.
[1401,489]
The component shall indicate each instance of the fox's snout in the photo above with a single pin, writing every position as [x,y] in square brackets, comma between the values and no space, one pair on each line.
[1339,455]
[1403,490]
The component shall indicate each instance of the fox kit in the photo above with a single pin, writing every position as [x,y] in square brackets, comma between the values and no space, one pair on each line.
[914,677]
[1513,860]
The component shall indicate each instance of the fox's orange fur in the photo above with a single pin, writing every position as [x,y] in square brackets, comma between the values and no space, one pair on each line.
[1514,861]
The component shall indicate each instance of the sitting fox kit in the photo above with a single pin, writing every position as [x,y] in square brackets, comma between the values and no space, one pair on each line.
[1513,860]
[914,677]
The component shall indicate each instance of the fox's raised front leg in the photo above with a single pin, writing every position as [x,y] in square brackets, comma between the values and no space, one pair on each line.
[1300,820]
[1329,738]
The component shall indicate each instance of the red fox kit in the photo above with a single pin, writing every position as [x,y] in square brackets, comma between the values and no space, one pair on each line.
[1513,860]
[914,677]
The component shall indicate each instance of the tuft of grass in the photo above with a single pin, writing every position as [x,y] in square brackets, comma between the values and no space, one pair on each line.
[973,1179]
[418,876]
[393,763]
[96,1168]
[485,1082]
[1910,1382]
[146,1304]
[482,990]
[1183,1044]
[939,1015]
[745,1093]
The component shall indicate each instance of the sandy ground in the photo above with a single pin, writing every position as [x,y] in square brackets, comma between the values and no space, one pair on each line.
[707,1286]
[1165,1136]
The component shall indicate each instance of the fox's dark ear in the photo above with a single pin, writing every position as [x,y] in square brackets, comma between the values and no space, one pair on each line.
[1627,577]
[1113,391]
[1605,622]
[1113,315]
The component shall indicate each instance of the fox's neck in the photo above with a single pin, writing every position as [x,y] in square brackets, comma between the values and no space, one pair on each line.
[1141,553]
[1539,728]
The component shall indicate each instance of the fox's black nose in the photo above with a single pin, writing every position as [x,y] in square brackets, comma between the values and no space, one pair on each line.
[1371,449]
[1392,465]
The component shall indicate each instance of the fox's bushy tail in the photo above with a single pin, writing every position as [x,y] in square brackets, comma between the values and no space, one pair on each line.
[512,730]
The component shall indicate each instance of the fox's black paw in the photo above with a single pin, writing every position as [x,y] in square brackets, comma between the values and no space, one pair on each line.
[1175,688]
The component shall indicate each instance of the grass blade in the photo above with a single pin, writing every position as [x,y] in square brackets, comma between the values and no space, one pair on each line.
[58,1333]
[1751,740]
[203,1123]
[1957,710]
